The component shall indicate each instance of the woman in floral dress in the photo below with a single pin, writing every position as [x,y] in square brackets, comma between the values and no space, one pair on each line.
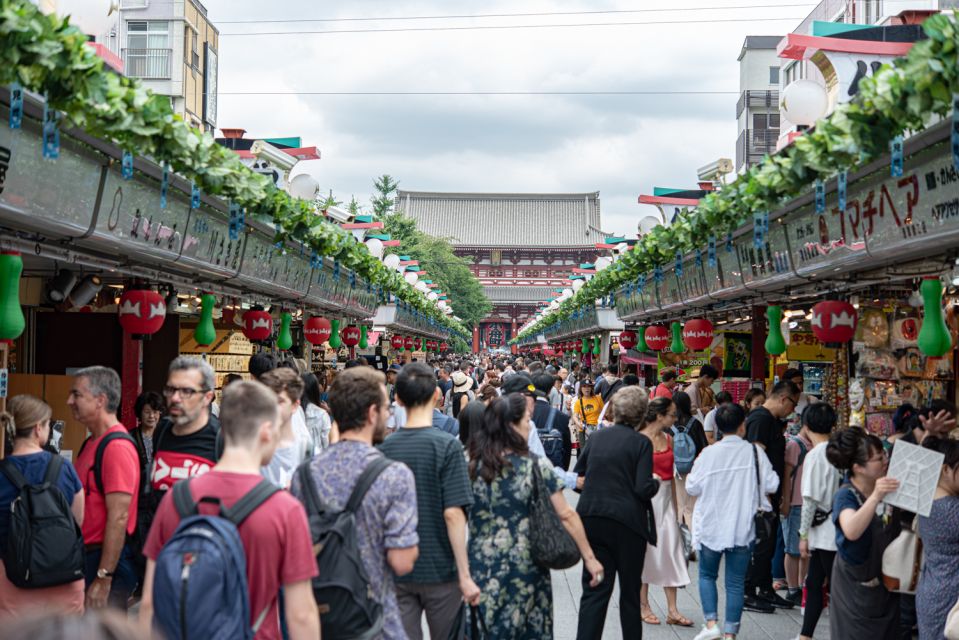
[517,596]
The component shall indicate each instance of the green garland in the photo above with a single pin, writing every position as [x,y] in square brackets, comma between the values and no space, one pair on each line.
[899,97]
[47,55]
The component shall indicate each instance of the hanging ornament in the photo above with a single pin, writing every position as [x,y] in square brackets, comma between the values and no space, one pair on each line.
[698,334]
[364,338]
[677,346]
[351,335]
[284,339]
[257,325]
[596,348]
[834,321]
[627,339]
[12,322]
[335,341]
[418,344]
[775,342]
[397,342]
[584,347]
[408,343]
[317,330]
[205,333]
[641,345]
[934,340]
[444,346]
[141,312]
[657,337]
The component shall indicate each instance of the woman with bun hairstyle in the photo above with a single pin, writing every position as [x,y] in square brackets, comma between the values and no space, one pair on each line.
[939,581]
[26,428]
[860,607]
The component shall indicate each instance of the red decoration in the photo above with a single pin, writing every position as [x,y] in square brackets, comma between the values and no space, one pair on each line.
[444,346]
[657,337]
[257,325]
[834,321]
[697,334]
[350,335]
[627,339]
[418,344]
[408,343]
[142,312]
[317,330]
[397,342]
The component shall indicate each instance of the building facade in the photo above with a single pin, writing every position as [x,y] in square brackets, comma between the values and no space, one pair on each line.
[757,110]
[523,247]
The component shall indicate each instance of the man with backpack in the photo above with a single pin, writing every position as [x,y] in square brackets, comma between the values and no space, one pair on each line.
[224,544]
[109,470]
[552,425]
[363,514]
[440,579]
[607,384]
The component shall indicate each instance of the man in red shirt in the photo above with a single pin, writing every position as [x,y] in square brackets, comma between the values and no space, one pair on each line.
[111,501]
[665,388]
[275,537]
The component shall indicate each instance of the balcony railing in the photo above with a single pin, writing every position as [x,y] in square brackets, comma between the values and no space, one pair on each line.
[753,144]
[766,99]
[150,64]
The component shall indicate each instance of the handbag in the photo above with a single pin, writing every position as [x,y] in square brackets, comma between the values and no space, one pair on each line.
[551,546]
[764,521]
[687,537]
[951,632]
[477,630]
[902,561]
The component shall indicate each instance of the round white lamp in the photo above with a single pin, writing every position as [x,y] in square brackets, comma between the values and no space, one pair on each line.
[411,277]
[391,261]
[554,305]
[432,295]
[375,247]
[602,262]
[648,223]
[578,284]
[303,186]
[804,102]
[421,286]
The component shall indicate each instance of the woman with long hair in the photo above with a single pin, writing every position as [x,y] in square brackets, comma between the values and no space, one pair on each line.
[470,419]
[687,422]
[317,419]
[665,564]
[517,595]
[585,412]
[149,409]
[860,606]
[753,398]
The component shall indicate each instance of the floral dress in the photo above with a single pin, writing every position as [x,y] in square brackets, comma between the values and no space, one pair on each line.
[517,595]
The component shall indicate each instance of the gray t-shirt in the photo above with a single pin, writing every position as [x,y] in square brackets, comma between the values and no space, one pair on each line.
[283,465]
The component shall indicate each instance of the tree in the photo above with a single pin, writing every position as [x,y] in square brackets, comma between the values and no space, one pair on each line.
[383,202]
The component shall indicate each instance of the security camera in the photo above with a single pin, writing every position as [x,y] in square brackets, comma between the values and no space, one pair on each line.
[715,170]
[276,157]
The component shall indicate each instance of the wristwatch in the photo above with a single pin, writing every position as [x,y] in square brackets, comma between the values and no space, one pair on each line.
[103,573]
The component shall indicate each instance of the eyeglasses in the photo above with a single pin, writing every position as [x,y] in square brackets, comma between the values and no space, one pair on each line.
[185,392]
[882,457]
[793,400]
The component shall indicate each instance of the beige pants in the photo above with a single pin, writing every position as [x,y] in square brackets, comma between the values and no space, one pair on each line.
[684,502]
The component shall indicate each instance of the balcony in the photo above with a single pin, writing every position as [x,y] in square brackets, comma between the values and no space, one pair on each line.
[753,145]
[761,99]
[148,64]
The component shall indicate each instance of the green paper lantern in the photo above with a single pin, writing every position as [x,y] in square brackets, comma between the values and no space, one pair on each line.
[584,347]
[934,340]
[12,321]
[284,340]
[677,345]
[205,333]
[335,340]
[775,342]
[363,338]
[641,345]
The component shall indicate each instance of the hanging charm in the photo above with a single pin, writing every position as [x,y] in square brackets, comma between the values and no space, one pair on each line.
[820,196]
[658,275]
[760,228]
[699,258]
[194,196]
[126,165]
[51,133]
[729,243]
[679,264]
[841,183]
[711,252]
[895,155]
[315,261]
[641,282]
[237,222]
[164,185]
[16,105]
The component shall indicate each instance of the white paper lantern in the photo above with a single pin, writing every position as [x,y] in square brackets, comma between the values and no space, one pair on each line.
[375,247]
[442,304]
[448,311]
[578,284]
[303,186]
[421,286]
[554,305]
[432,295]
[602,262]
[93,17]
[804,102]
[567,293]
[391,261]
[648,223]
[411,277]
[621,247]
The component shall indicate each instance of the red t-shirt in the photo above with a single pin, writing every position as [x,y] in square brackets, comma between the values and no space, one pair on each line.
[276,539]
[120,474]
[663,463]
[661,391]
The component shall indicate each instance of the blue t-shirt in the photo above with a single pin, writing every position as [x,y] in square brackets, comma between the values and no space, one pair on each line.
[852,551]
[34,468]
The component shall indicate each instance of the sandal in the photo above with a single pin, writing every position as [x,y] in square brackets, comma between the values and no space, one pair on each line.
[679,620]
[649,617]
[779,585]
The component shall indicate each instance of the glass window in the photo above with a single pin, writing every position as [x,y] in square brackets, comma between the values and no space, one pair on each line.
[154,34]
[773,75]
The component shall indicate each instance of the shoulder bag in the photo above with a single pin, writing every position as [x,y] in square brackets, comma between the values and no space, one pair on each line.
[902,561]
[551,546]
[764,521]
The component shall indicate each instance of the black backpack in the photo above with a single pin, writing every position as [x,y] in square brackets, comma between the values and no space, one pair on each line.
[101,449]
[552,440]
[44,543]
[348,610]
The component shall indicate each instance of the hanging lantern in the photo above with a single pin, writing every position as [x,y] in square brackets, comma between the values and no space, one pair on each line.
[444,346]
[364,338]
[335,341]
[698,334]
[596,345]
[641,345]
[627,339]
[257,325]
[284,339]
[834,321]
[12,322]
[350,335]
[558,349]
[934,340]
[677,346]
[657,337]
[418,344]
[317,330]
[141,312]
[584,347]
[775,342]
[205,333]
[408,343]
[397,342]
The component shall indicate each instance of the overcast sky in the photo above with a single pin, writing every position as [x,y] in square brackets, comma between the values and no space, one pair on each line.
[620,146]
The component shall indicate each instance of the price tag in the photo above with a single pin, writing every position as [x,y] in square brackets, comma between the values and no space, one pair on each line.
[51,133]
[237,222]
[126,165]
[194,196]
[820,197]
[711,252]
[16,105]
[895,157]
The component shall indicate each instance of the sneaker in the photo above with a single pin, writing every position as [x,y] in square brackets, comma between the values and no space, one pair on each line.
[757,605]
[775,600]
[709,634]
[795,596]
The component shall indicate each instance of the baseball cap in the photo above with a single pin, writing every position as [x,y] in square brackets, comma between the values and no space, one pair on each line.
[518,383]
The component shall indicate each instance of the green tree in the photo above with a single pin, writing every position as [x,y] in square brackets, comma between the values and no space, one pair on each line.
[384,199]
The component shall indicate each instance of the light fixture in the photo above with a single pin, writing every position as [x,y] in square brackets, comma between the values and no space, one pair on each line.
[61,285]
[86,291]
[804,102]
[303,186]
[391,261]
[375,247]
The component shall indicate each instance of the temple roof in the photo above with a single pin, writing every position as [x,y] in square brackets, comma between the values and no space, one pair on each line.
[508,220]
[508,293]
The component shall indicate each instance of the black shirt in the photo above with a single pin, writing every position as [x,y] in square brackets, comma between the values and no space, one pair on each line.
[560,423]
[764,428]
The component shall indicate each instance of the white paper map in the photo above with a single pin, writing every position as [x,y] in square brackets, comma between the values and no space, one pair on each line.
[917,470]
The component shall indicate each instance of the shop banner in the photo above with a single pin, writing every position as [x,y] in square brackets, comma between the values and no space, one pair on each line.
[805,347]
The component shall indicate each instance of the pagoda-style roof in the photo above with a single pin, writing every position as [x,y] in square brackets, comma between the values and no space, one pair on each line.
[507,293]
[507,220]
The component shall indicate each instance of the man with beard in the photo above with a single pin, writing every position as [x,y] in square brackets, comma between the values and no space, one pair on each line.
[386,518]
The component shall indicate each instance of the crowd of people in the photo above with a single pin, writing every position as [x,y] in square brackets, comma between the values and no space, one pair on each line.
[359,502]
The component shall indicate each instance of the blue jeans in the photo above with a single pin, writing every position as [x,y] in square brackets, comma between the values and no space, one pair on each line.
[737,562]
[125,578]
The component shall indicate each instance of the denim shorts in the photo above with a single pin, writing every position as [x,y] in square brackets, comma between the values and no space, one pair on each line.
[790,528]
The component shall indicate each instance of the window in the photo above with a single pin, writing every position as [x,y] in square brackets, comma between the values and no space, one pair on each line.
[773,75]
[147,54]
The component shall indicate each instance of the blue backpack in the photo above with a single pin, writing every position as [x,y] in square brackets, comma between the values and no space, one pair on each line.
[200,588]
[552,440]
[684,448]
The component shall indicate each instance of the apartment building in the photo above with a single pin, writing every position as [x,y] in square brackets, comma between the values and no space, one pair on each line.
[757,110]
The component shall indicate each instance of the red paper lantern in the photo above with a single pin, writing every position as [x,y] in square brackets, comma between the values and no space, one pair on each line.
[408,343]
[834,321]
[350,335]
[657,337]
[397,342]
[142,312]
[317,330]
[257,325]
[627,339]
[418,343]
[697,334]
[444,346]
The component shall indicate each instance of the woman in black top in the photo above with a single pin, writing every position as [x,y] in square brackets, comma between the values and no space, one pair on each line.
[616,508]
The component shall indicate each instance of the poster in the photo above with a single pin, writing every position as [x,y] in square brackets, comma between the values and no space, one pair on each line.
[737,357]
[917,469]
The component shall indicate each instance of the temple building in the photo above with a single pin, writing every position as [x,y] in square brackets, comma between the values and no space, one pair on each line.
[523,246]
